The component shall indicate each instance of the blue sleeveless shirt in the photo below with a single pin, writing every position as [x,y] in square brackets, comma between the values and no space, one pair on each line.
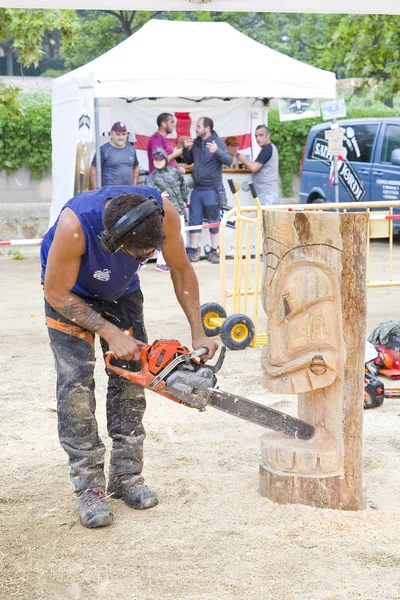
[103,275]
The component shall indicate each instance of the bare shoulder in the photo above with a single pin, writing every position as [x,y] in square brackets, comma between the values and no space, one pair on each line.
[69,237]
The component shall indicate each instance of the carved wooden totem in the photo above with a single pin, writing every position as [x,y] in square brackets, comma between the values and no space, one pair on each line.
[314,294]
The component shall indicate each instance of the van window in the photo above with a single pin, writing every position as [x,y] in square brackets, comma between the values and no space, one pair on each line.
[359,140]
[391,141]
[319,135]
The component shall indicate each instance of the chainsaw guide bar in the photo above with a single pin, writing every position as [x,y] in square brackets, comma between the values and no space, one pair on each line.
[170,369]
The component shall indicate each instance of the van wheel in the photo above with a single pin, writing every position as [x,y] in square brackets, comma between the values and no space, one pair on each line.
[317,200]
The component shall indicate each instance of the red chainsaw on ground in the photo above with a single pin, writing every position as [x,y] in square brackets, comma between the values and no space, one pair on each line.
[170,369]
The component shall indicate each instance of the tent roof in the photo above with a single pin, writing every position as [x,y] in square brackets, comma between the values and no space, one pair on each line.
[198,59]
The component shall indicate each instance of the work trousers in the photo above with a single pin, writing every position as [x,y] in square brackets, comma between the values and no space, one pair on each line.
[204,204]
[73,349]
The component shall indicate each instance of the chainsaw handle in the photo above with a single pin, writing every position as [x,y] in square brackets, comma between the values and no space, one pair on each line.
[199,352]
[141,377]
[143,349]
[215,368]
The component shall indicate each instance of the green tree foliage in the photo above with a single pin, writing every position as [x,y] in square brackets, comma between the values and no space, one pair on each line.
[369,46]
[365,46]
[25,134]
[25,28]
[96,32]
[9,99]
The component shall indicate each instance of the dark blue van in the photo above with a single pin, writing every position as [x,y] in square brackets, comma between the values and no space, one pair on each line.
[371,170]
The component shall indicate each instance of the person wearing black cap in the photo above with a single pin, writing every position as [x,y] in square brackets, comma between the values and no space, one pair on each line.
[119,163]
[90,261]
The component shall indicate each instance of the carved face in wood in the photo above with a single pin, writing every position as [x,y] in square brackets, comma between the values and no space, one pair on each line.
[302,301]
[305,352]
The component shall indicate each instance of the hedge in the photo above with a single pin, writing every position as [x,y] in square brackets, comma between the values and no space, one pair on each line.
[25,137]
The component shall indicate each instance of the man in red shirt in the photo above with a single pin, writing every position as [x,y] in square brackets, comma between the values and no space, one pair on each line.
[166,124]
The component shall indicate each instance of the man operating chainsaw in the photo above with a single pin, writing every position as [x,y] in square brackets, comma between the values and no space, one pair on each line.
[90,259]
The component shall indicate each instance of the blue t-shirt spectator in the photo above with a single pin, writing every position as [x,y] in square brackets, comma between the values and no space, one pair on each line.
[117,164]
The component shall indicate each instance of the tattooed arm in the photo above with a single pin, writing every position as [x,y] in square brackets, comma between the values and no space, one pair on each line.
[62,271]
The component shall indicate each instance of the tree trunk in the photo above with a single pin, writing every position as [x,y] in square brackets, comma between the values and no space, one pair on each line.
[314,293]
[9,61]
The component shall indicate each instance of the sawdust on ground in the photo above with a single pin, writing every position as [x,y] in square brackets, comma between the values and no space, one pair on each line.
[212,537]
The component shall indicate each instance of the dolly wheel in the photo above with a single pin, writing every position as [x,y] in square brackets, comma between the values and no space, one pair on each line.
[237,332]
[211,310]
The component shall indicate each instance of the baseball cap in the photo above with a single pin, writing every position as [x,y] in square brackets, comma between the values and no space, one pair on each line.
[119,126]
[159,153]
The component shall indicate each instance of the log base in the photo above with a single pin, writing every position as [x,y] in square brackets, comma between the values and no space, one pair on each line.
[321,492]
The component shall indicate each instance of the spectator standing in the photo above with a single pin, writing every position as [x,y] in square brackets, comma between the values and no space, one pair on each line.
[171,185]
[179,159]
[166,125]
[208,153]
[119,163]
[232,145]
[265,169]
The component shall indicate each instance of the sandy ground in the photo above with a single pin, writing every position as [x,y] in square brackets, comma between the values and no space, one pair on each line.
[212,537]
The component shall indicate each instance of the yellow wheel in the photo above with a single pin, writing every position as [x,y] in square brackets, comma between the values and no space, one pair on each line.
[240,332]
[208,311]
[237,332]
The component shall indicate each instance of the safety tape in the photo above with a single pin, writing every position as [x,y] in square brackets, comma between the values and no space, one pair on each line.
[35,242]
[20,242]
[205,226]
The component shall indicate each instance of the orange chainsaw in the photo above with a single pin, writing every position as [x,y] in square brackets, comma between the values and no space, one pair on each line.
[170,369]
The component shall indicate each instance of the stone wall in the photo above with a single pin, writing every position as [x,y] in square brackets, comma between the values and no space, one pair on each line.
[21,187]
[40,85]
[19,221]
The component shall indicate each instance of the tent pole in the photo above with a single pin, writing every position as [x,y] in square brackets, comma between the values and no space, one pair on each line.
[97,139]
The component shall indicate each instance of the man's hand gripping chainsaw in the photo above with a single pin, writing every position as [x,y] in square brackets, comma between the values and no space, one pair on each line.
[170,369]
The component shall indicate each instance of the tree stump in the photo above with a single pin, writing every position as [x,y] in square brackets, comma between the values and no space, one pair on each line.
[314,294]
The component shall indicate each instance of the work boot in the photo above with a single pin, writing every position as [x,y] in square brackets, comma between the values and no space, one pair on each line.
[213,256]
[193,254]
[133,490]
[93,509]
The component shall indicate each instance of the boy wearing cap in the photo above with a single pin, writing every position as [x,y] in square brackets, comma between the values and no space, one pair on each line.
[119,163]
[169,182]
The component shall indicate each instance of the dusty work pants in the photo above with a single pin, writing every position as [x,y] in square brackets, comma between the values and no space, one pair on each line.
[73,349]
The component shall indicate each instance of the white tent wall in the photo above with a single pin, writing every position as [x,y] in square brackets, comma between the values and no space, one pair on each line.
[64,138]
[231,117]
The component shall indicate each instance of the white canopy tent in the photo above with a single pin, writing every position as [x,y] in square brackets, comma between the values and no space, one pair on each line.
[213,60]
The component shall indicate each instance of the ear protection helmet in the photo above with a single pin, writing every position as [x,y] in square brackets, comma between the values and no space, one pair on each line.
[109,238]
